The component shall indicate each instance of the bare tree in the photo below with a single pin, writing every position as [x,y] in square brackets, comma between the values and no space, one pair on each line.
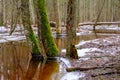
[99,15]
[32,41]
[57,15]
[70,28]
[1,12]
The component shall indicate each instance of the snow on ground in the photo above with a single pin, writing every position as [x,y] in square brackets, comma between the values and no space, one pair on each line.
[11,38]
[66,62]
[2,41]
[17,35]
[81,43]
[3,29]
[82,52]
[107,46]
[73,76]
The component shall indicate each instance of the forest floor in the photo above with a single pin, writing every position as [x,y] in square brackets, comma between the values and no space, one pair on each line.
[99,59]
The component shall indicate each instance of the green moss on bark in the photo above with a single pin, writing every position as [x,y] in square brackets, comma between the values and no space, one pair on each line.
[35,46]
[46,34]
[32,41]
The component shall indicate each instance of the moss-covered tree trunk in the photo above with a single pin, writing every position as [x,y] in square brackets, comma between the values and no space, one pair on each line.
[45,31]
[32,41]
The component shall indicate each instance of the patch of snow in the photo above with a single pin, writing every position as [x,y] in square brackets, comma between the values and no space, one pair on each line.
[73,76]
[4,34]
[81,43]
[17,33]
[63,51]
[82,52]
[115,28]
[16,38]
[78,34]
[19,28]
[12,38]
[6,37]
[66,62]
[3,29]
[3,40]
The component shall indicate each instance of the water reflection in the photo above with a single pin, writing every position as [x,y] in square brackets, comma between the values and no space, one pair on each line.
[15,62]
[33,65]
[49,71]
[61,41]
[42,71]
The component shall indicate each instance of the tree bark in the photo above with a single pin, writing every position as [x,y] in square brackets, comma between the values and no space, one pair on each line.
[32,41]
[57,16]
[98,15]
[70,28]
[1,12]
[45,31]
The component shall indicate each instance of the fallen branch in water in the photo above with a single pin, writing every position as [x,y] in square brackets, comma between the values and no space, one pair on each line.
[108,73]
[85,69]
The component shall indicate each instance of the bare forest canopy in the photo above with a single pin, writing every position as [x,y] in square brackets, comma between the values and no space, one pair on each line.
[86,10]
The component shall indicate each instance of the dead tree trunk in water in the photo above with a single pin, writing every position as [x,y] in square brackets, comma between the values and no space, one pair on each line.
[70,29]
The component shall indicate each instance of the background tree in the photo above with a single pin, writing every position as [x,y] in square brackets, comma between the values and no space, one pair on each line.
[70,28]
[57,15]
[1,12]
[99,14]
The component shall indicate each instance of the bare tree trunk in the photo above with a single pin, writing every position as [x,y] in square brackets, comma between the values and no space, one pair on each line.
[32,13]
[14,15]
[57,15]
[4,11]
[70,28]
[1,12]
[32,41]
[99,15]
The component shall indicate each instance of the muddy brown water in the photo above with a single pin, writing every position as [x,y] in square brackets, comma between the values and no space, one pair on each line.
[16,62]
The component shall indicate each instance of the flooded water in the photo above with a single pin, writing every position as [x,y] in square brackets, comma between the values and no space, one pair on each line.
[16,62]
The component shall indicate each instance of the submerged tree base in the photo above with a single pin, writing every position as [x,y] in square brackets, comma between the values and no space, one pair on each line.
[37,57]
[41,58]
[73,52]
